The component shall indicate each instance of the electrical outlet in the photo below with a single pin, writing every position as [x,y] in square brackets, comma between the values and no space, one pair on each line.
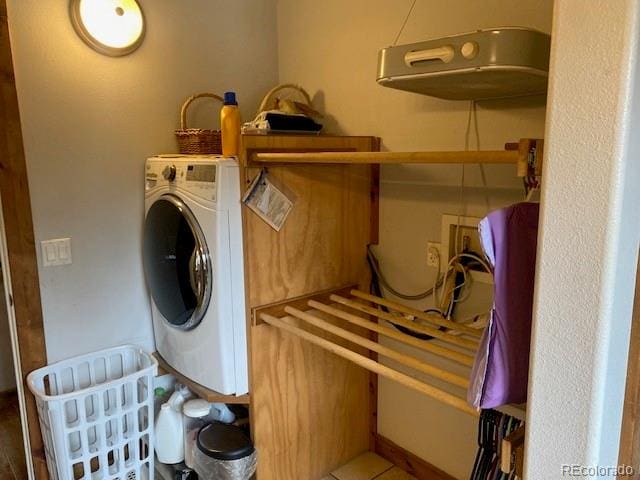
[433,254]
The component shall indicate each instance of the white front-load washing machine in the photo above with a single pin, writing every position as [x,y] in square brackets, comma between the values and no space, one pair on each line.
[193,264]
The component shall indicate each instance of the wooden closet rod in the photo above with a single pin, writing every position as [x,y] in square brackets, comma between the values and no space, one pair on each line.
[514,153]
[371,365]
[484,157]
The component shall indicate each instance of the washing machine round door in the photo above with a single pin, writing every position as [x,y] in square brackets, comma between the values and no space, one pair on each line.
[177,263]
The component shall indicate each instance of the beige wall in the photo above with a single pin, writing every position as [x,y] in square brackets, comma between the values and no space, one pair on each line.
[89,122]
[330,48]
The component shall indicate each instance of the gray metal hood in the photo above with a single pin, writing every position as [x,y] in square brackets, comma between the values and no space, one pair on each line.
[493,63]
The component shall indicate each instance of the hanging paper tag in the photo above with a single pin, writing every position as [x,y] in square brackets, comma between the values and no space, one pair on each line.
[268,201]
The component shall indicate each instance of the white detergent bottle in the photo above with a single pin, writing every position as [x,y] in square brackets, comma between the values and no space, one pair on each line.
[169,433]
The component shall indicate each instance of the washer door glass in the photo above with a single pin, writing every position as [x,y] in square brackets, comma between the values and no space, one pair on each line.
[176,263]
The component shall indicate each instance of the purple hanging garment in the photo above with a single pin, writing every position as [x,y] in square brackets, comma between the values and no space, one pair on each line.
[501,370]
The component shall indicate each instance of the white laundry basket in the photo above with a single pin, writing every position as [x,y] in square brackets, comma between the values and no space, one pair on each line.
[96,415]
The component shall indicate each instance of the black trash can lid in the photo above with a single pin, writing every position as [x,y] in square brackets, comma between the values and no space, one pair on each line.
[224,442]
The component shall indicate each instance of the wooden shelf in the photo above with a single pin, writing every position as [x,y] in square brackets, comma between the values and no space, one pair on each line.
[205,393]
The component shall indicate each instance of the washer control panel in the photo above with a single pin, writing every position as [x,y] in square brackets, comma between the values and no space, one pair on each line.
[201,173]
[198,178]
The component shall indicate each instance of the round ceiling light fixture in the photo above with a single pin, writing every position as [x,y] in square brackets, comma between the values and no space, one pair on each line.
[111,27]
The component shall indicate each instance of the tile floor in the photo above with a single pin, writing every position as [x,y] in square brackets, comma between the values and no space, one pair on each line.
[369,466]
[12,462]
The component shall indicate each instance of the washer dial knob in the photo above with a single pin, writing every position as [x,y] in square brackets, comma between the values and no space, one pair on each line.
[169,173]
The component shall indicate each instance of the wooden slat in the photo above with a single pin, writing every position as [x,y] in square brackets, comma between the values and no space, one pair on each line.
[424,345]
[201,391]
[365,362]
[435,319]
[16,206]
[374,238]
[402,358]
[397,320]
[462,157]
[277,309]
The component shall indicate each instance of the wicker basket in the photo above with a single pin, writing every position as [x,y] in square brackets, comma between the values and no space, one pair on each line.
[198,140]
[293,92]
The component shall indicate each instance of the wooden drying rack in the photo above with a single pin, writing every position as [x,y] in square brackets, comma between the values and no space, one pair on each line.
[526,155]
[514,153]
[458,343]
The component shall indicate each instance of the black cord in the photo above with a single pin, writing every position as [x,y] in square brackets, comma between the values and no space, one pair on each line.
[376,289]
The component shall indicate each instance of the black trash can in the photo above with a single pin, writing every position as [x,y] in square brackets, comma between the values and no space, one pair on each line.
[224,453]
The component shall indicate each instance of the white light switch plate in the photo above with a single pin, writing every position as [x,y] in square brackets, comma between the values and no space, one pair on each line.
[56,252]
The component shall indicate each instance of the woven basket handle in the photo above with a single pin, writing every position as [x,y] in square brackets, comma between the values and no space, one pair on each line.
[267,98]
[189,101]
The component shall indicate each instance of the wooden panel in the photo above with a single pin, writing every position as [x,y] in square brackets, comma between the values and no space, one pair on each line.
[310,410]
[320,245]
[201,391]
[16,206]
[409,462]
[630,435]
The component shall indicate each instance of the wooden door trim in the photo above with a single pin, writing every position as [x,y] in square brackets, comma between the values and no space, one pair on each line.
[630,435]
[20,239]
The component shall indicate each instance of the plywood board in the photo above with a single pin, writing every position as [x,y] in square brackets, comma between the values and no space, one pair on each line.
[321,244]
[310,410]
